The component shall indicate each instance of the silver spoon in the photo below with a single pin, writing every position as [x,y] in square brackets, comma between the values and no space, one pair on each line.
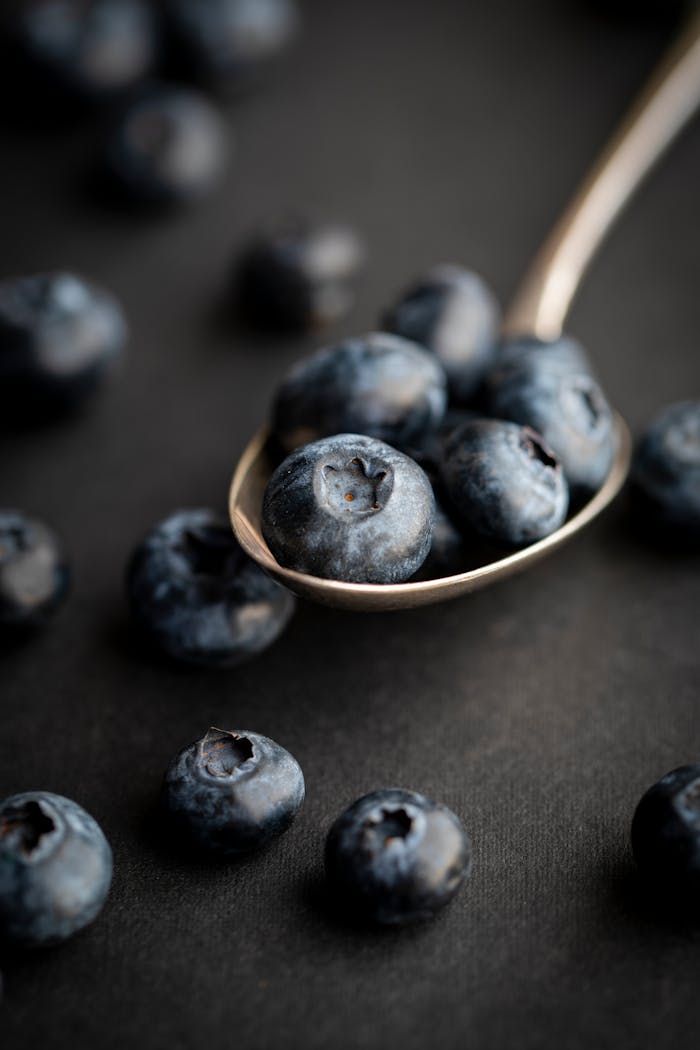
[539,308]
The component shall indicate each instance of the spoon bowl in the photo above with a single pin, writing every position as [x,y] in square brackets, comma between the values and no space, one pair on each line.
[251,477]
[539,308]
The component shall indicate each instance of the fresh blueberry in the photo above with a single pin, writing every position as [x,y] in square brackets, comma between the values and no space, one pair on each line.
[450,551]
[55,868]
[380,385]
[666,475]
[167,147]
[300,278]
[227,43]
[396,857]
[452,312]
[565,355]
[90,48]
[567,407]
[504,482]
[232,791]
[58,337]
[666,829]
[198,597]
[34,574]
[349,508]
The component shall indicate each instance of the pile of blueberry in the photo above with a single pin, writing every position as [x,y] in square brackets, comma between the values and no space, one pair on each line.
[431,421]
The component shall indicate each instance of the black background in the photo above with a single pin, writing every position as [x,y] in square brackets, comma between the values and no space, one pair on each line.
[539,710]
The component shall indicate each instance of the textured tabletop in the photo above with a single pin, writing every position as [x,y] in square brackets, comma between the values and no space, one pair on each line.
[539,710]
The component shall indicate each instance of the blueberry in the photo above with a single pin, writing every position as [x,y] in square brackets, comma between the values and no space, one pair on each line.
[565,355]
[198,597]
[450,552]
[395,856]
[90,48]
[58,337]
[666,829]
[380,385]
[232,791]
[55,868]
[452,312]
[298,279]
[349,508]
[228,42]
[503,481]
[167,147]
[568,408]
[34,574]
[666,475]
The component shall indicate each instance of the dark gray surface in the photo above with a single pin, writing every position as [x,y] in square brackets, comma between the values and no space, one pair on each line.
[539,710]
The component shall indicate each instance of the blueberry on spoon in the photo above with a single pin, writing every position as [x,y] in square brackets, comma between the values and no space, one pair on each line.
[453,313]
[349,508]
[380,385]
[503,482]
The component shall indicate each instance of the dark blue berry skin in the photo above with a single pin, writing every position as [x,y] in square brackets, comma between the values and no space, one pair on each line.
[450,552]
[565,355]
[167,147]
[452,312]
[396,857]
[198,597]
[92,49]
[503,482]
[232,792]
[380,385]
[228,43]
[349,508]
[666,830]
[55,868]
[298,279]
[59,337]
[570,411]
[34,573]
[666,475]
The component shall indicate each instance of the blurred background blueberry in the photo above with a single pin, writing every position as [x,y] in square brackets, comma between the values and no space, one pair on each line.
[452,312]
[168,146]
[299,278]
[55,868]
[198,597]
[59,336]
[232,792]
[34,572]
[227,43]
[92,49]
[665,478]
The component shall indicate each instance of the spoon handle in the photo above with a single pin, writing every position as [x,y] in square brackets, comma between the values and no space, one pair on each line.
[665,105]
